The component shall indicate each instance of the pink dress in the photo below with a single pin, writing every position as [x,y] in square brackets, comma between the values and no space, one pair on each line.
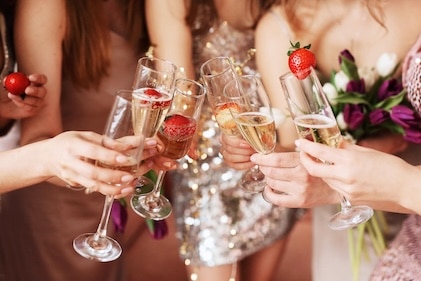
[402,260]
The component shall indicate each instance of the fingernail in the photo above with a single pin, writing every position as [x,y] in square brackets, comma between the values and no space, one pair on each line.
[122,159]
[167,164]
[297,143]
[151,142]
[126,190]
[127,178]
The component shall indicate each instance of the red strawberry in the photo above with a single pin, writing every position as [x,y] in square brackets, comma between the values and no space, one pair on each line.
[179,126]
[16,83]
[224,117]
[300,60]
[154,94]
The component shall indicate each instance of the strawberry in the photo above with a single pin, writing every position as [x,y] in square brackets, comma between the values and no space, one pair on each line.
[16,83]
[179,126]
[224,117]
[300,60]
[154,94]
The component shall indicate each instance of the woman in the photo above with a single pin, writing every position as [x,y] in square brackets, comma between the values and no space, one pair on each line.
[88,50]
[367,29]
[225,233]
[375,181]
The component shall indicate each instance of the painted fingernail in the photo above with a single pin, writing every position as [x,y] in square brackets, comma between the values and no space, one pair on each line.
[126,190]
[127,178]
[122,159]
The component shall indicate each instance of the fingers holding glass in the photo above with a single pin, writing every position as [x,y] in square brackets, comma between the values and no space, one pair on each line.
[315,121]
[176,133]
[98,246]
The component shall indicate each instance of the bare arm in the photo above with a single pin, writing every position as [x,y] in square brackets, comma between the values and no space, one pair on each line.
[169,33]
[39,32]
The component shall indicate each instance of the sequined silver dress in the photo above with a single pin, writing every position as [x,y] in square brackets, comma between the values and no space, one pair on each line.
[217,222]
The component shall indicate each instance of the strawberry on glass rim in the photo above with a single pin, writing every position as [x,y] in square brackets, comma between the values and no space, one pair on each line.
[224,117]
[159,100]
[179,127]
[300,60]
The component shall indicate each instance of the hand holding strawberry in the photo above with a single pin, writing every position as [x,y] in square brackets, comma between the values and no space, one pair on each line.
[300,60]
[16,83]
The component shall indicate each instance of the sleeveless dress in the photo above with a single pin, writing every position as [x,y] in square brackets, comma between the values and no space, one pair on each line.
[217,222]
[39,223]
[402,260]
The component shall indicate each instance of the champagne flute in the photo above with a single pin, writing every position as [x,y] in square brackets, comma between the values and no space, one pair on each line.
[252,112]
[98,246]
[314,120]
[176,134]
[215,74]
[153,82]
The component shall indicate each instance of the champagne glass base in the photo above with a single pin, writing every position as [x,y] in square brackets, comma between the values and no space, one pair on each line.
[157,209]
[144,185]
[103,249]
[351,217]
[253,181]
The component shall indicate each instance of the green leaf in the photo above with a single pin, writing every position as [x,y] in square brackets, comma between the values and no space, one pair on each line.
[392,101]
[352,98]
[349,68]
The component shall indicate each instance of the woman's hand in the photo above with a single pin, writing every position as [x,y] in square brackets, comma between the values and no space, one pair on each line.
[16,107]
[236,152]
[289,184]
[71,156]
[363,175]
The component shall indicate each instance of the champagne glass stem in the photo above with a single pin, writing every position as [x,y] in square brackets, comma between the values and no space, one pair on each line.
[102,227]
[156,192]
[345,204]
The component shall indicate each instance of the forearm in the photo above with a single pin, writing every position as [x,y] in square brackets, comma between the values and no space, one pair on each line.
[22,167]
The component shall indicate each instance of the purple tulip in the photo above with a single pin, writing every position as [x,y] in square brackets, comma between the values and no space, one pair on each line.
[119,216]
[160,229]
[413,135]
[356,86]
[353,115]
[403,116]
[347,54]
[378,116]
[389,88]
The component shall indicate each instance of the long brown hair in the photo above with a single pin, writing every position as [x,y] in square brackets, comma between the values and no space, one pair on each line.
[86,43]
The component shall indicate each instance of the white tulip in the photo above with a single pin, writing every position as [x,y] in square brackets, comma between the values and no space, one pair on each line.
[369,75]
[341,121]
[386,64]
[341,80]
[330,92]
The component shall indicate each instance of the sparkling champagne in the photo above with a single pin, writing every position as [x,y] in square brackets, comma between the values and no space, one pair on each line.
[318,128]
[177,137]
[258,129]
[160,105]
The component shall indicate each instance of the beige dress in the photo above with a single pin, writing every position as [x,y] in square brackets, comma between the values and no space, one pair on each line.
[39,223]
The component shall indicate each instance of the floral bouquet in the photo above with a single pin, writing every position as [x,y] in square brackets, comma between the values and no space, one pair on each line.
[366,102]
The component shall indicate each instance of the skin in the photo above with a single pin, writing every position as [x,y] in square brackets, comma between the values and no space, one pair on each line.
[63,157]
[14,107]
[371,181]
[172,40]
[329,33]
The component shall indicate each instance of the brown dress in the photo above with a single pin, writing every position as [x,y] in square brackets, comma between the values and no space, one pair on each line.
[39,223]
